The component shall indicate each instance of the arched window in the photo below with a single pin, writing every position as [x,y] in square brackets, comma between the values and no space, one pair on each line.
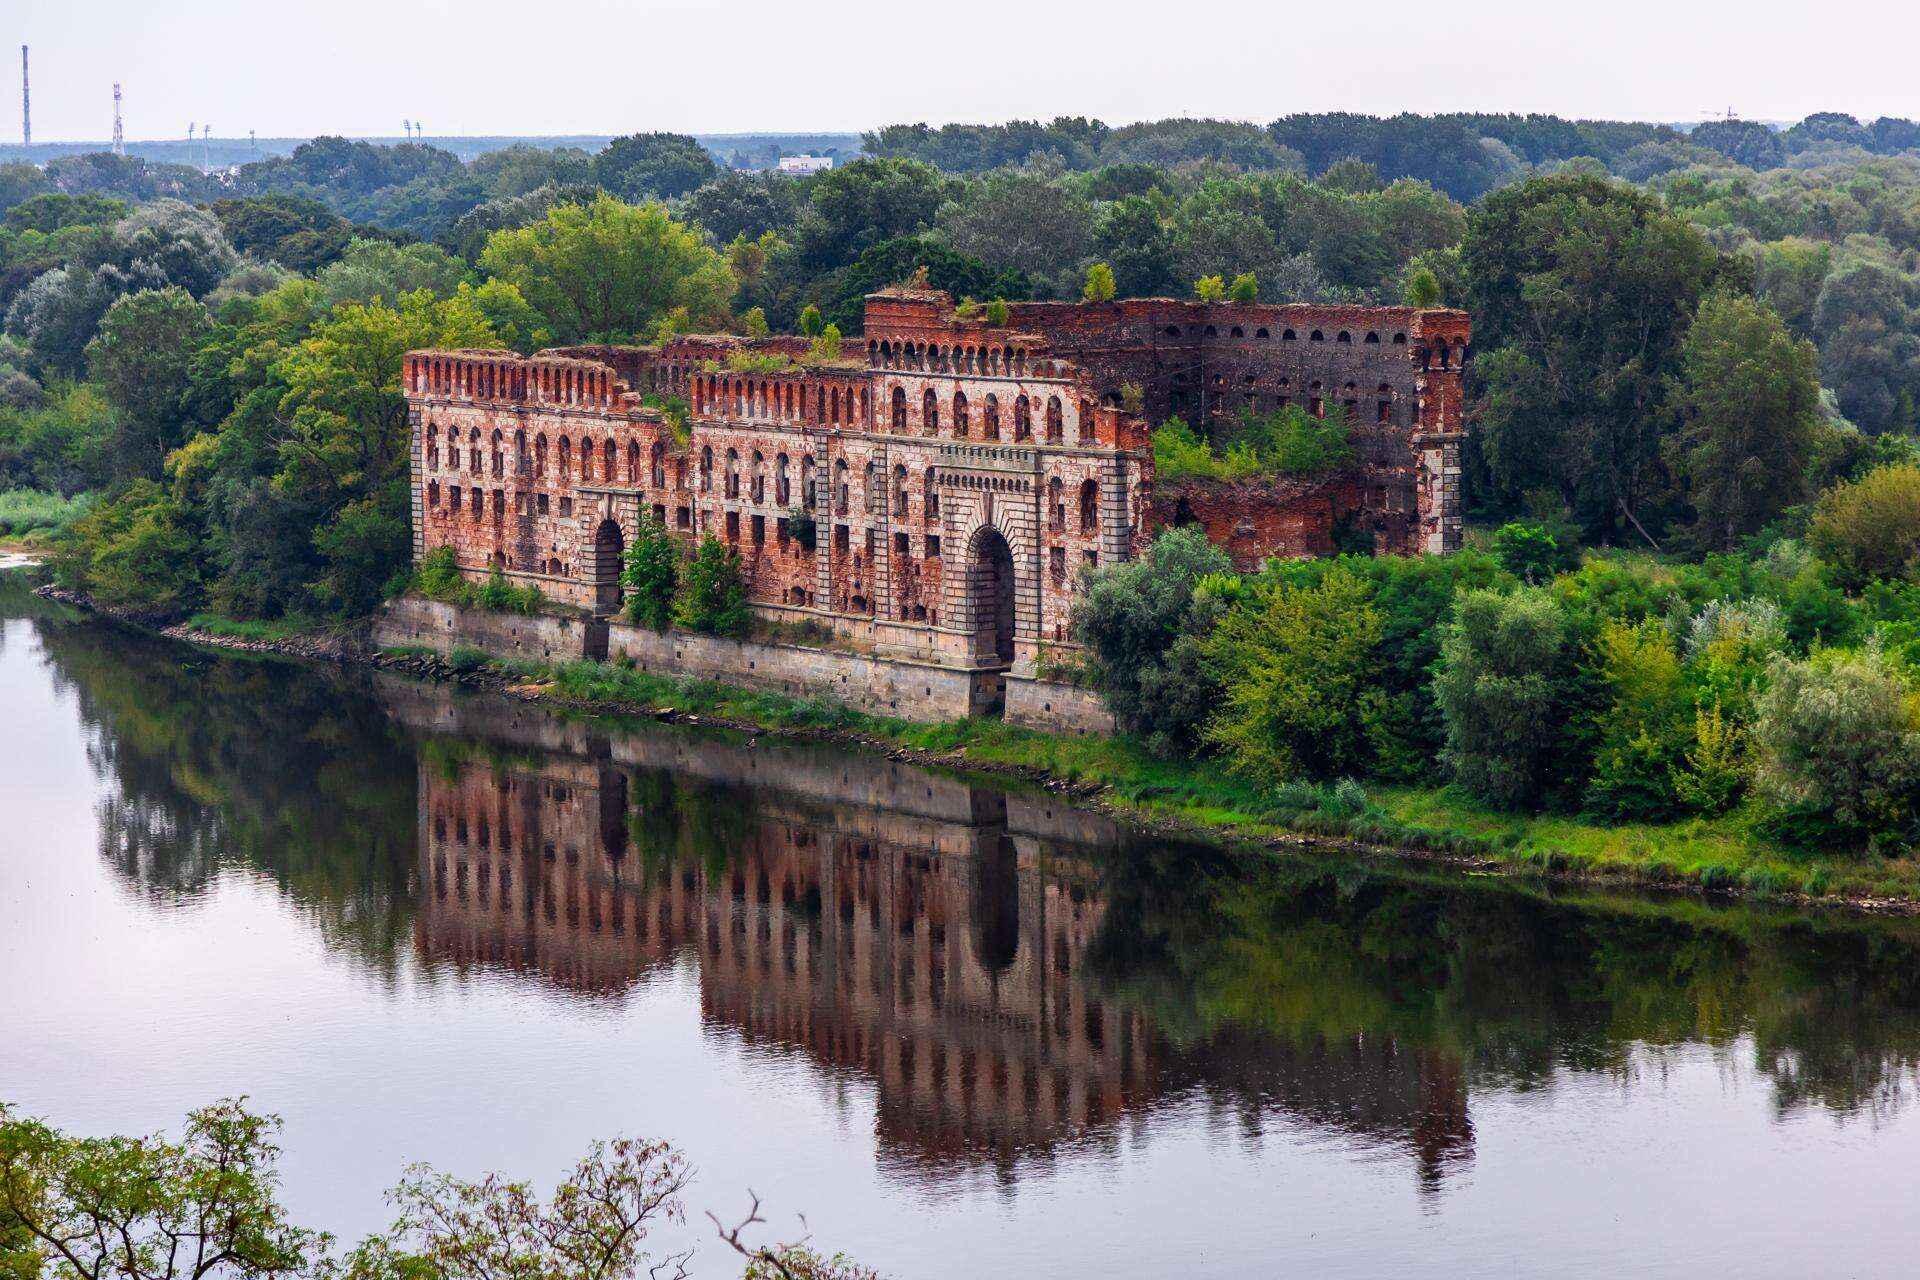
[633,463]
[899,491]
[1343,336]
[609,457]
[586,459]
[566,456]
[659,464]
[960,413]
[1086,422]
[929,413]
[990,418]
[473,451]
[433,447]
[433,493]
[840,485]
[1056,505]
[1089,505]
[781,494]
[540,455]
[900,410]
[732,489]
[499,458]
[758,483]
[869,492]
[706,468]
[1022,419]
[1056,421]
[930,495]
[806,481]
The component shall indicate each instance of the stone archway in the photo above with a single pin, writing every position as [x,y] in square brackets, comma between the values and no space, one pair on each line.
[604,570]
[990,607]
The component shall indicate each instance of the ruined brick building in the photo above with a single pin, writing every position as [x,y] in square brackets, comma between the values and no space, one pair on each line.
[958,475]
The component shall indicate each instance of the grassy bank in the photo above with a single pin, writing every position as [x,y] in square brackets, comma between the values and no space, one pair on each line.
[1723,854]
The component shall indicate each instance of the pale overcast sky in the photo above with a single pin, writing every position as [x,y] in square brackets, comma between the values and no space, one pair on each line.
[359,67]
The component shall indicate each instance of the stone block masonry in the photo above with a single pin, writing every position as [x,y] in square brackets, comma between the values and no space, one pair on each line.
[959,477]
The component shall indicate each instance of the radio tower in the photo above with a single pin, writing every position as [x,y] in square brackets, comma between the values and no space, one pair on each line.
[26,103]
[119,134]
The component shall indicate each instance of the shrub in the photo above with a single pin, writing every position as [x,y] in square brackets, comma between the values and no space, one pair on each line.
[1838,739]
[810,321]
[1642,727]
[1503,663]
[1532,553]
[712,595]
[1245,287]
[801,528]
[438,577]
[1870,528]
[1142,622]
[651,574]
[1295,667]
[1100,286]
[465,658]
[27,512]
[998,313]
[502,597]
[1209,288]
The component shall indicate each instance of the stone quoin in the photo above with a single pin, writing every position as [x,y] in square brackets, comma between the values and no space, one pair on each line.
[959,475]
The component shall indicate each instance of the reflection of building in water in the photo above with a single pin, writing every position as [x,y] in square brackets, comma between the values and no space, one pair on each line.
[925,933]
[937,956]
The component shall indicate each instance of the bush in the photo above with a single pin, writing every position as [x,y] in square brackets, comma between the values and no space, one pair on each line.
[502,597]
[651,573]
[1500,687]
[438,578]
[465,658]
[1295,666]
[1871,527]
[1643,727]
[1142,621]
[712,596]
[801,529]
[29,512]
[136,550]
[1532,553]
[1838,738]
[1290,441]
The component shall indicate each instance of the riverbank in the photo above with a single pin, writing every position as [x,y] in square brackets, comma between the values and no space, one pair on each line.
[1119,776]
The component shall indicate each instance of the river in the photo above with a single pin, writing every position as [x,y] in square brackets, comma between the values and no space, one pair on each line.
[965,1029]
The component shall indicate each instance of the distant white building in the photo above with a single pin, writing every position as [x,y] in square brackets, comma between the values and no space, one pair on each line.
[805,164]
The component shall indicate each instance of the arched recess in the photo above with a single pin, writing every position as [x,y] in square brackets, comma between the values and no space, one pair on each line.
[990,594]
[608,545]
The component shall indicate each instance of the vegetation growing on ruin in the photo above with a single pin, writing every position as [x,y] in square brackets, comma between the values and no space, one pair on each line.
[1287,442]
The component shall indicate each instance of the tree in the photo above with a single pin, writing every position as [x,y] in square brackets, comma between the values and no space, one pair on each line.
[739,204]
[1209,289]
[651,573]
[1144,626]
[1023,219]
[1838,737]
[1865,322]
[1294,666]
[1099,286]
[204,1207]
[1581,291]
[609,271]
[712,596]
[1502,660]
[1423,288]
[1132,236]
[856,206]
[653,166]
[1870,528]
[370,269]
[1245,287]
[1748,395]
[811,322]
[141,357]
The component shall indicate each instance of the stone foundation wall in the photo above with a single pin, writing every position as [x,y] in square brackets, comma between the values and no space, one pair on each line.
[1057,708]
[412,621]
[885,686]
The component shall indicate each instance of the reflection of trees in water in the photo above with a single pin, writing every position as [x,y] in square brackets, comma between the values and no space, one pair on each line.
[1508,984]
[220,763]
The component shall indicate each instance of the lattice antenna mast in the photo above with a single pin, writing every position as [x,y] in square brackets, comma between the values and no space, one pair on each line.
[119,133]
[26,103]
[206,148]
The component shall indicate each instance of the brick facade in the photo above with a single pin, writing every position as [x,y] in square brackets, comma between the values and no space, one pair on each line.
[959,477]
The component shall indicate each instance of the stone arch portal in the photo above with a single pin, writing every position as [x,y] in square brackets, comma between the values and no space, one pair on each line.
[990,594]
[609,544]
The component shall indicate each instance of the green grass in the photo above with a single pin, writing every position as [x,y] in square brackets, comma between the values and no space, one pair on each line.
[260,631]
[30,515]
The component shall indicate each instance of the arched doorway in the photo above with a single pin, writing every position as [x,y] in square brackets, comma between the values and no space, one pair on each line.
[990,594]
[608,545]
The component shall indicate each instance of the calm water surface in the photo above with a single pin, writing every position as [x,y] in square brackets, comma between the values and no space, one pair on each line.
[966,1031]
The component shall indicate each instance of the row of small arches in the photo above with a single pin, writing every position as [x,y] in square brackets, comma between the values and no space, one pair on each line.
[1054,417]
[931,357]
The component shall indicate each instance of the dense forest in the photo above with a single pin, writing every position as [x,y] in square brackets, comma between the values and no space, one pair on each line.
[1701,346]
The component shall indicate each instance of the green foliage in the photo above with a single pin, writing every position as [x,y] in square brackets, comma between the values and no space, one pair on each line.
[1099,286]
[438,577]
[811,322]
[825,348]
[1289,441]
[801,527]
[1501,687]
[651,573]
[1532,553]
[1423,289]
[1245,288]
[609,271]
[653,166]
[1294,665]
[30,513]
[1838,741]
[1144,623]
[754,323]
[136,550]
[141,359]
[998,313]
[712,594]
[1209,289]
[497,594]
[1870,528]
[1643,729]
